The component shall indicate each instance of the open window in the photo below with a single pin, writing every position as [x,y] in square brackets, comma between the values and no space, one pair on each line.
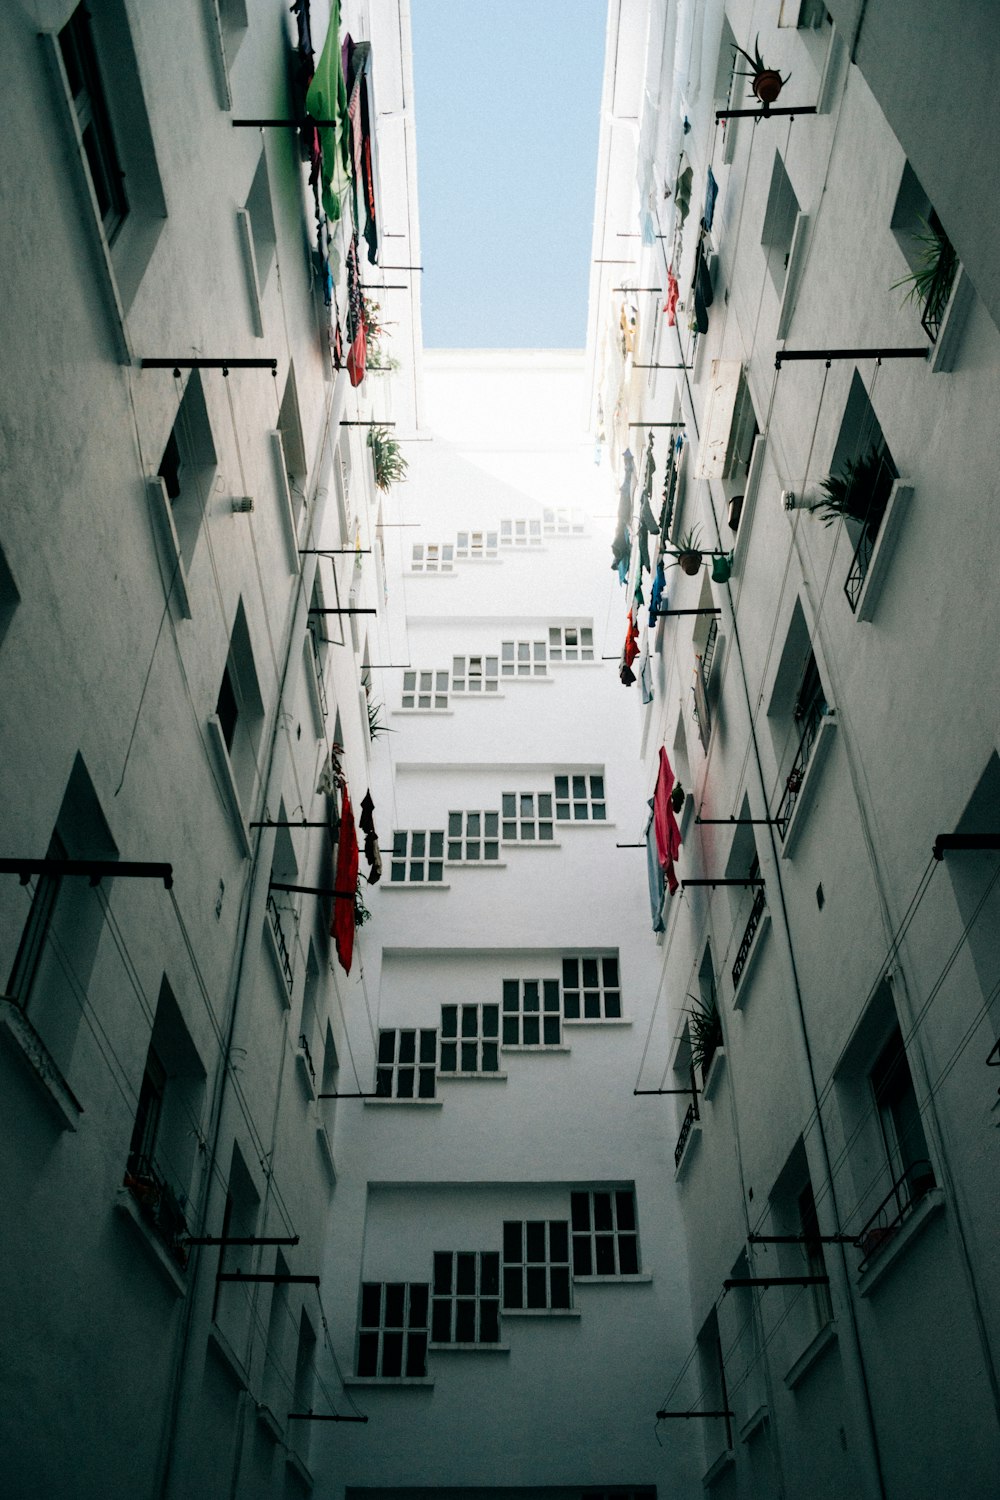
[808,1307]
[927,250]
[975,880]
[187,470]
[10,597]
[779,223]
[801,720]
[231,1309]
[717,1431]
[860,484]
[293,443]
[260,240]
[239,710]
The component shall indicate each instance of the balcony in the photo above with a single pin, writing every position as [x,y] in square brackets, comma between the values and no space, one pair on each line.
[750,933]
[898,1205]
[159,1206]
[818,724]
[687,1140]
[879,485]
[279,946]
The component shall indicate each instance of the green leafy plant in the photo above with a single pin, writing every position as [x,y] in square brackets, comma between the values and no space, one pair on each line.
[860,493]
[361,912]
[704,1032]
[766,83]
[389,464]
[930,281]
[687,552]
[375,723]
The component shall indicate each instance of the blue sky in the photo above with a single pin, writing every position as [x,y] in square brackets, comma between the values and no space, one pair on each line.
[507,96]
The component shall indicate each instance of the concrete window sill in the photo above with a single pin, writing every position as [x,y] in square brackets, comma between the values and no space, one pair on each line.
[225,767]
[129,1211]
[810,781]
[598,1021]
[716,1068]
[413,886]
[227,1357]
[403,1103]
[28,1048]
[633,1278]
[472,1077]
[531,1047]
[893,1251]
[810,1356]
[293,1461]
[690,1148]
[539,1312]
[392,1382]
[267,1420]
[742,989]
[878,566]
[717,1469]
[469,1348]
[754,1422]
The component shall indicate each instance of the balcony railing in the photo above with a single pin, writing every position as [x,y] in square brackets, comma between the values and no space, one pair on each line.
[307,1055]
[939,291]
[690,1115]
[279,938]
[318,663]
[159,1205]
[897,1205]
[881,488]
[811,720]
[753,922]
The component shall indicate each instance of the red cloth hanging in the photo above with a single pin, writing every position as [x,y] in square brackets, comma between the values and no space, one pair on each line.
[357,356]
[345,885]
[673,292]
[631,641]
[668,834]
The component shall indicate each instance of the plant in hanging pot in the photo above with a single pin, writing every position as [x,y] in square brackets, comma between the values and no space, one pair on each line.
[765,83]
[687,553]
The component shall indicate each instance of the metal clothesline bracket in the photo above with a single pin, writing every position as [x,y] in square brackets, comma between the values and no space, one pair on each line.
[345,610]
[754,881]
[765,113]
[802,1239]
[766,1281]
[657,424]
[781,355]
[282,1278]
[363,422]
[315,1416]
[661,1416]
[96,870]
[334,551]
[349,1096]
[741,822]
[287,823]
[239,1239]
[957,842]
[311,890]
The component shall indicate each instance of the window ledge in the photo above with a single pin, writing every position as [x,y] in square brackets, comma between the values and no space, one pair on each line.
[533,1047]
[475,864]
[690,1147]
[314,686]
[598,1021]
[508,680]
[163,511]
[742,989]
[326,1147]
[293,1461]
[562,823]
[391,1382]
[129,1211]
[927,1209]
[899,497]
[469,1348]
[270,1423]
[304,1071]
[284,982]
[227,1356]
[412,885]
[754,1422]
[225,766]
[531,844]
[26,1045]
[716,1068]
[432,573]
[631,1278]
[539,1312]
[477,1077]
[422,713]
[285,505]
[404,1103]
[715,1471]
[810,1356]
[945,351]
[821,749]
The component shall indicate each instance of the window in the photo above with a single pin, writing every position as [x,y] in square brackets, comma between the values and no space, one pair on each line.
[425,689]
[562,521]
[188,466]
[527,816]
[591,989]
[862,473]
[392,1341]
[523,659]
[718,1435]
[475,545]
[274,1376]
[58,946]
[282,912]
[779,223]
[466,1302]
[927,250]
[518,533]
[474,674]
[975,880]
[605,1241]
[407,1061]
[536,1264]
[261,217]
[292,442]
[9,596]
[742,435]
[902,1128]
[812,1247]
[432,557]
[167,1119]
[318,647]
[231,1307]
[239,709]
[531,1013]
[417,855]
[470,1038]
[571,643]
[579,798]
[305,1373]
[76,41]
[474,835]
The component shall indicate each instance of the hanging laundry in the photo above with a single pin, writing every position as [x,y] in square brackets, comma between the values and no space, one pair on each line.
[327,100]
[668,834]
[644,561]
[722,568]
[711,193]
[372,852]
[654,873]
[345,886]
[673,292]
[622,544]
[627,675]
[682,193]
[629,323]
[658,601]
[646,674]
[631,650]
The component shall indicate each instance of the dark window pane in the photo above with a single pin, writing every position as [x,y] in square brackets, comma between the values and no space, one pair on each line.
[512,1239]
[426,1083]
[512,1287]
[441,1321]
[511,994]
[470,1057]
[428,1046]
[418,842]
[602,1211]
[592,1005]
[531,994]
[531,1031]
[604,1246]
[582,1263]
[465,1279]
[580,1210]
[407,1046]
[571,1005]
[590,979]
[509,802]
[545,804]
[562,786]
[558,1240]
[470,1021]
[465,1321]
[416,1354]
[628,1254]
[386,1046]
[536,1277]
[395,1297]
[598,812]
[534,1238]
[491,1020]
[550,1027]
[612,1004]
[570,973]
[449,1057]
[392,1354]
[383,1083]
[625,1210]
[489,1273]
[560,1287]
[371,1304]
[419,1293]
[437,844]
[579,786]
[489,1322]
[455,825]
[435,871]
[610,966]
[550,994]
[442,1272]
[597,788]
[511,1030]
[404,1083]
[368,1354]
[491,1057]
[449,1020]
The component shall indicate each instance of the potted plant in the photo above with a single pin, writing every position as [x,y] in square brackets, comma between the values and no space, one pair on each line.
[860,493]
[389,464]
[704,1033]
[766,83]
[687,553]
[931,279]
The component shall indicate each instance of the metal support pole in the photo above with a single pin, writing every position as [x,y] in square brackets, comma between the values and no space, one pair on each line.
[334,551]
[287,823]
[829,354]
[959,841]
[657,424]
[209,364]
[802,1239]
[363,422]
[284,124]
[241,1239]
[756,881]
[685,1092]
[313,1416]
[733,822]
[95,869]
[661,1416]
[311,890]
[282,1278]
[765,113]
[345,610]
[350,1096]
[732,1281]
[661,367]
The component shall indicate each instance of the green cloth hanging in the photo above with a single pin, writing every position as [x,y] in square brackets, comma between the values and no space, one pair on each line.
[326,99]
[722,568]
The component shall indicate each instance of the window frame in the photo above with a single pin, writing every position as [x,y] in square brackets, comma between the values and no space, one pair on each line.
[516,818]
[530,1013]
[559,647]
[617,1233]
[450,1299]
[421,686]
[459,844]
[477,674]
[608,992]
[410,1326]
[590,799]
[479,1038]
[532,1257]
[406,856]
[389,1069]
[521,659]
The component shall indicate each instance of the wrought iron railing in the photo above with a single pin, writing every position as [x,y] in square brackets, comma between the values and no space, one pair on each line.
[712,1043]
[753,922]
[158,1204]
[811,721]
[939,291]
[897,1205]
[881,488]
[307,1055]
[279,938]
[318,663]
[690,1115]
[708,655]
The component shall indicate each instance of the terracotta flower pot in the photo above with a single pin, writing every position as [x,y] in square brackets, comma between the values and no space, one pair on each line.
[689,562]
[767,85]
